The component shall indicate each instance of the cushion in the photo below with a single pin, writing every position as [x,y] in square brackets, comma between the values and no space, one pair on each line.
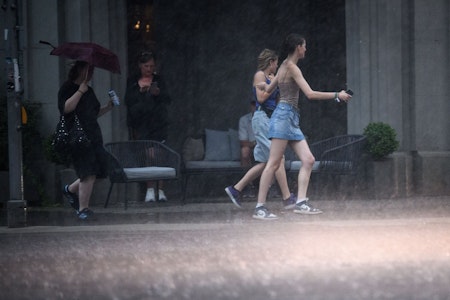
[217,145]
[235,145]
[193,149]
[203,164]
[297,164]
[149,173]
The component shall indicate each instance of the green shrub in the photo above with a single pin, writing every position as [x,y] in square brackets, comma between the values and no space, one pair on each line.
[381,140]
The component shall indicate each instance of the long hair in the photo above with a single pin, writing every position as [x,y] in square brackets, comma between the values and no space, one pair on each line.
[76,70]
[265,57]
[290,43]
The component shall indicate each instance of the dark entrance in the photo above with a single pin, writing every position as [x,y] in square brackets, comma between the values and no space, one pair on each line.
[207,53]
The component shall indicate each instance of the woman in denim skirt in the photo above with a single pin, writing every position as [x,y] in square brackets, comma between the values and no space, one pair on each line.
[265,105]
[285,126]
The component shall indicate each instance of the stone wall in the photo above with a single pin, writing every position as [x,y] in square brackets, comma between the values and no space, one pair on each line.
[398,64]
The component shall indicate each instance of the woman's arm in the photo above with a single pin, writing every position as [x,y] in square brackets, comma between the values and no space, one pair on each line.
[261,94]
[267,88]
[105,108]
[162,93]
[297,75]
[72,102]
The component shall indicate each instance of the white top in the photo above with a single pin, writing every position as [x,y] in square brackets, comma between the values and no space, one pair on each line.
[245,128]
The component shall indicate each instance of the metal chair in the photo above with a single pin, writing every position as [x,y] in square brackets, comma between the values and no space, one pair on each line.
[141,161]
[339,155]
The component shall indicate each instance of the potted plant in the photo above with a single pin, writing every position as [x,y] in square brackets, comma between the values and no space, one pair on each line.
[381,140]
[381,176]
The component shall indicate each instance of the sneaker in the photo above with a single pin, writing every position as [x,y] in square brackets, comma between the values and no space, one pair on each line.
[85,214]
[150,196]
[161,196]
[71,197]
[234,195]
[289,203]
[261,213]
[306,209]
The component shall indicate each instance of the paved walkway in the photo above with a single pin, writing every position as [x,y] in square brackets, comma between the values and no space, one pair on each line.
[220,210]
[357,249]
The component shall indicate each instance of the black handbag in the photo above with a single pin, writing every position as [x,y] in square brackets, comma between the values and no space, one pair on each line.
[65,139]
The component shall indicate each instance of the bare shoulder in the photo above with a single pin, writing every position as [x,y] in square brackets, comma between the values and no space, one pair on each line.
[259,77]
[285,71]
[294,70]
[291,66]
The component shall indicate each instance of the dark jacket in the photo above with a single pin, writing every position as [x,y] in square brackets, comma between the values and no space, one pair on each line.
[147,115]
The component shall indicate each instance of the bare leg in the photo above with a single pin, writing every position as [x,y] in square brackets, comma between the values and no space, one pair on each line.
[281,177]
[251,175]
[73,187]
[276,156]
[302,150]
[151,184]
[246,157]
[257,170]
[85,187]
[161,194]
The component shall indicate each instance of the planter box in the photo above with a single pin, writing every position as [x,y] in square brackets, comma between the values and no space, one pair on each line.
[432,173]
[391,177]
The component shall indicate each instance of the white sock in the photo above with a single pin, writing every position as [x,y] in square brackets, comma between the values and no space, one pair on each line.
[259,204]
[302,200]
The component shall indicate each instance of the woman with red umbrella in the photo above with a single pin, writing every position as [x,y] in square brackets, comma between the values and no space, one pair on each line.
[76,97]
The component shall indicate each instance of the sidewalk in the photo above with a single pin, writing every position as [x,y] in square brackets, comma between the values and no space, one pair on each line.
[221,210]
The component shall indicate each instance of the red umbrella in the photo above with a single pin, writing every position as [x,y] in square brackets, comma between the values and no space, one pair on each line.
[92,53]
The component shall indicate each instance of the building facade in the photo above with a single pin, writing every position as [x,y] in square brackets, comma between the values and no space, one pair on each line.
[396,61]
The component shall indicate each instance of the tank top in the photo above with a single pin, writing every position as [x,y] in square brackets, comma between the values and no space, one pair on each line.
[271,101]
[289,92]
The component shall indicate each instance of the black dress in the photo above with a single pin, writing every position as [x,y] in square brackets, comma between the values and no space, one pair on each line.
[92,160]
[147,115]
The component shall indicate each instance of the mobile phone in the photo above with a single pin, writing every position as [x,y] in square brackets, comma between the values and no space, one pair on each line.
[350,92]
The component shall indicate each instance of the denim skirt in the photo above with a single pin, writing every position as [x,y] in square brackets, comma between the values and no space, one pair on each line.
[285,123]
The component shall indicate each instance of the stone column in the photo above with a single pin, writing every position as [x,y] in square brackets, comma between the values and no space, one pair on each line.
[397,64]
[375,44]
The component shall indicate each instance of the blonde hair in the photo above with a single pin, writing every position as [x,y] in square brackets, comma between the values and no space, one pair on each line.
[265,57]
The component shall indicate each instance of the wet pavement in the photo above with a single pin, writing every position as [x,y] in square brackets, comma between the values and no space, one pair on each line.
[356,249]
